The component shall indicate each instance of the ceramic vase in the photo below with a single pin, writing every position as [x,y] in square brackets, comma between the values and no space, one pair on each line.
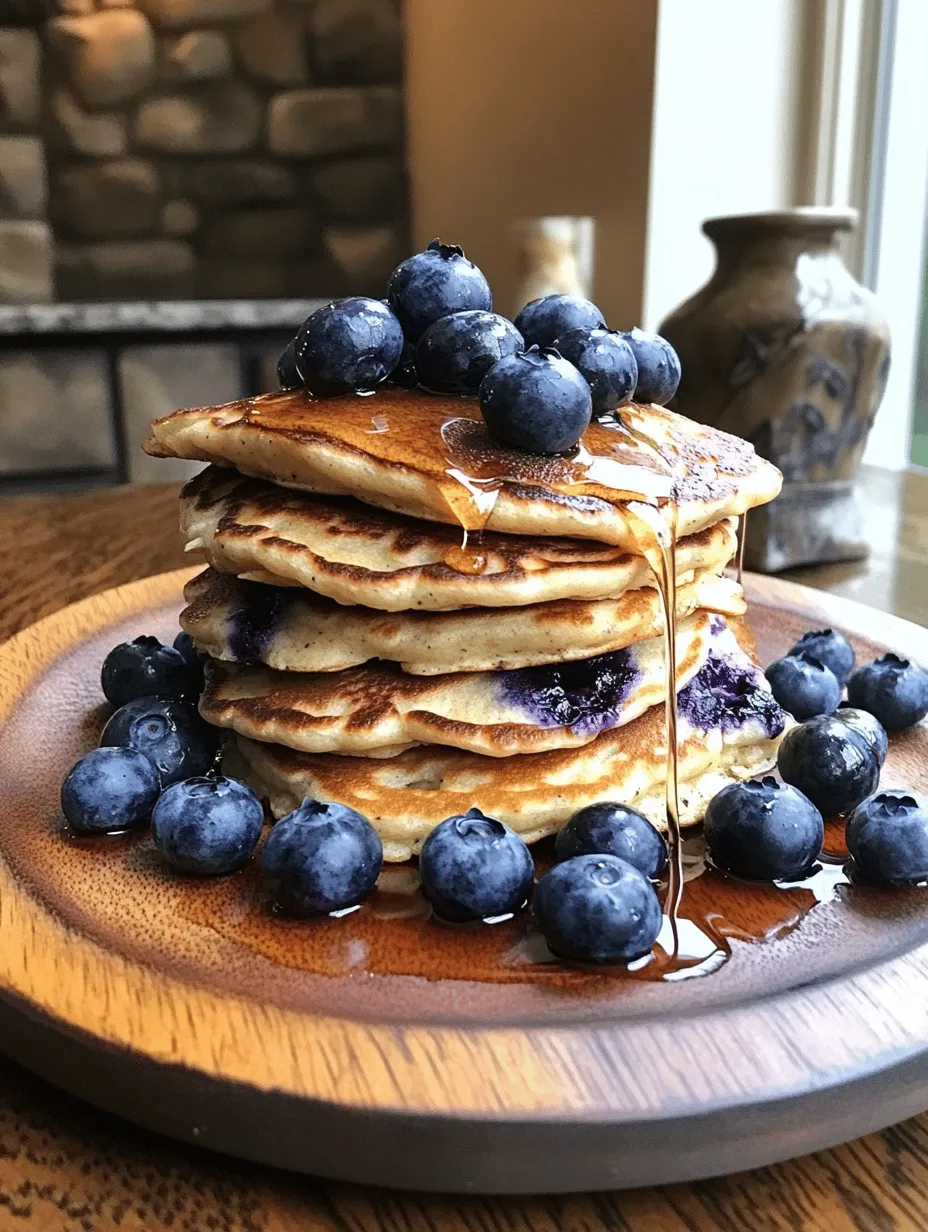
[784,347]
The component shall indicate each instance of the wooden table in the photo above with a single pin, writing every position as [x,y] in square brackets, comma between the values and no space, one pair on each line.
[64,1166]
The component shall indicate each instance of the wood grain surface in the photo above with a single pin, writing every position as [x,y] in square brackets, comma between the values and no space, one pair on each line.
[62,1165]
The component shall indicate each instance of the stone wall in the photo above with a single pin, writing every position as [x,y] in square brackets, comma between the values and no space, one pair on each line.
[205,148]
[25,236]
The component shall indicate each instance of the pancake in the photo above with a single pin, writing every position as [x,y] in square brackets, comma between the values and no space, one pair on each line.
[358,555]
[298,631]
[378,710]
[430,457]
[730,728]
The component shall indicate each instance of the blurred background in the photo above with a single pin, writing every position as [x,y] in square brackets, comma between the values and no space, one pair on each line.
[180,180]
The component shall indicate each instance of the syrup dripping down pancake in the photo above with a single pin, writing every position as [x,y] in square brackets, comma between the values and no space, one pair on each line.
[730,729]
[378,710]
[295,630]
[430,457]
[359,555]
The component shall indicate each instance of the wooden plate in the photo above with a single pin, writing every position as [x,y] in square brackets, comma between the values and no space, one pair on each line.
[365,1048]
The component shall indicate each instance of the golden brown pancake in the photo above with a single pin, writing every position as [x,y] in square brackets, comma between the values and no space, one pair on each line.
[359,555]
[298,631]
[730,728]
[379,710]
[430,457]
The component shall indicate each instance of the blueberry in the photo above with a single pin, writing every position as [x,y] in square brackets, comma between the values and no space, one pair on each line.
[350,344]
[456,352]
[609,829]
[142,668]
[429,285]
[207,826]
[764,830]
[830,763]
[597,909]
[405,374]
[605,361]
[170,732]
[831,648]
[186,648]
[868,726]
[552,316]
[803,686]
[321,858]
[887,835]
[537,402]
[110,789]
[892,689]
[658,367]
[287,372]
[473,868]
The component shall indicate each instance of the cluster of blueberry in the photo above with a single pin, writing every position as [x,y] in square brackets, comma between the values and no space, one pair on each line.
[539,380]
[830,765]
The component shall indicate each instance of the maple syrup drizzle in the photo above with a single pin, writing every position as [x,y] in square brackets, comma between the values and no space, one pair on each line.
[742,535]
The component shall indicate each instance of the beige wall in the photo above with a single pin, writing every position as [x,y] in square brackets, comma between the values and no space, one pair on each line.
[522,108]
[725,116]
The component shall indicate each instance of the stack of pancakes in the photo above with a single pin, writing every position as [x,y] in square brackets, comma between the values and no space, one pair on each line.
[366,648]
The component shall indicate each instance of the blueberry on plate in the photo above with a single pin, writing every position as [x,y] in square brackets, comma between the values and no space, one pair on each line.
[475,868]
[892,689]
[610,829]
[597,908]
[868,725]
[145,667]
[431,284]
[287,372]
[405,374]
[658,367]
[764,830]
[207,826]
[169,732]
[349,345]
[110,789]
[803,686]
[828,647]
[887,836]
[537,402]
[551,316]
[830,763]
[321,858]
[606,362]
[456,352]
[186,648]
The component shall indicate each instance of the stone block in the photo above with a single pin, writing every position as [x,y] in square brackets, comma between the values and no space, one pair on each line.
[363,256]
[23,185]
[218,118]
[314,123]
[54,411]
[73,130]
[109,58]
[197,55]
[179,218]
[155,380]
[20,101]
[262,234]
[106,200]
[356,41]
[225,279]
[25,263]
[176,14]
[240,181]
[369,189]
[272,48]
[127,269]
